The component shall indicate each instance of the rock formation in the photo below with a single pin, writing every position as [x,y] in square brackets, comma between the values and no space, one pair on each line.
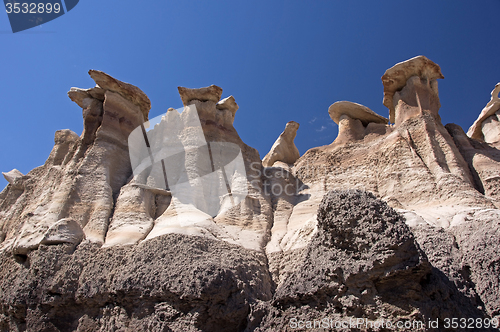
[284,148]
[486,126]
[397,77]
[356,121]
[83,175]
[12,176]
[174,223]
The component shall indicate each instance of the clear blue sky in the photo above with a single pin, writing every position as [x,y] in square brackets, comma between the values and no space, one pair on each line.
[282,61]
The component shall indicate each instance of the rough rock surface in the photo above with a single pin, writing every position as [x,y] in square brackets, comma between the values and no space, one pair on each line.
[171,283]
[483,160]
[284,148]
[356,121]
[12,176]
[354,111]
[127,91]
[486,126]
[144,212]
[396,77]
[363,263]
[82,177]
[395,222]
[209,93]
[436,177]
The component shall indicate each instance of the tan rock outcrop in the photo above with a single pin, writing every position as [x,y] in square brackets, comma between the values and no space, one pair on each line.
[483,160]
[355,121]
[213,112]
[79,95]
[64,231]
[83,175]
[126,90]
[228,104]
[12,175]
[179,214]
[183,193]
[354,111]
[396,77]
[487,127]
[210,93]
[414,165]
[284,148]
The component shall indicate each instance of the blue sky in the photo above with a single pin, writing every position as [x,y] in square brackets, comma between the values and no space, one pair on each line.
[281,60]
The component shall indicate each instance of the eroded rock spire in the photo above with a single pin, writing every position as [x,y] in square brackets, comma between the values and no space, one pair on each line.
[487,127]
[284,148]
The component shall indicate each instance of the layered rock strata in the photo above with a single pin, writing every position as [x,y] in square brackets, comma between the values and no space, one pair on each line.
[95,241]
[83,175]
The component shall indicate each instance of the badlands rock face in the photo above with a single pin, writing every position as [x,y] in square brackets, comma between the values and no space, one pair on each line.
[175,224]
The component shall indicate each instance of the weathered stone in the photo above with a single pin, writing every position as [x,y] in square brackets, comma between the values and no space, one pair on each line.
[416,98]
[354,111]
[133,217]
[97,92]
[356,121]
[199,206]
[126,90]
[350,130]
[483,161]
[12,175]
[477,131]
[144,287]
[395,78]
[64,231]
[210,93]
[228,105]
[364,262]
[87,245]
[80,178]
[78,96]
[284,148]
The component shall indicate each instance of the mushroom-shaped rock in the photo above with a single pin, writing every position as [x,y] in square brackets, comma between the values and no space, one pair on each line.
[284,148]
[395,78]
[209,93]
[11,176]
[126,90]
[354,111]
[476,130]
[353,120]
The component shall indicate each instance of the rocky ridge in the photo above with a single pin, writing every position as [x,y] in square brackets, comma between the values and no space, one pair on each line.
[392,221]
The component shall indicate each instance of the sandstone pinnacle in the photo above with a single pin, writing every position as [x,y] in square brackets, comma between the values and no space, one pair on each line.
[395,78]
[284,148]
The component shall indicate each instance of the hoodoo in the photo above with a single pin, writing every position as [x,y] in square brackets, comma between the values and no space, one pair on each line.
[175,224]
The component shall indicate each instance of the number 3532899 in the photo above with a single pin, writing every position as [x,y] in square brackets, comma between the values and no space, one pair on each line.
[32,8]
